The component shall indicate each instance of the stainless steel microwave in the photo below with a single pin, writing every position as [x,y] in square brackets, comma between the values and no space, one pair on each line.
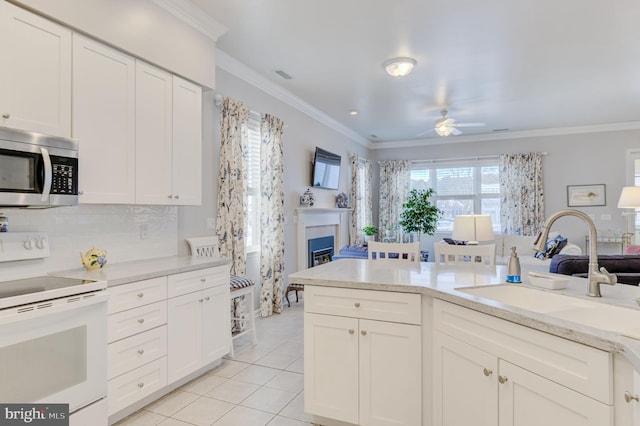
[37,170]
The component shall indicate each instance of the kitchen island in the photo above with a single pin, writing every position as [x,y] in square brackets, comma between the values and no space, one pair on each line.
[479,361]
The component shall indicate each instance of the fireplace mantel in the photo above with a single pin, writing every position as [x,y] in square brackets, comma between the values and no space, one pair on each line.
[308,217]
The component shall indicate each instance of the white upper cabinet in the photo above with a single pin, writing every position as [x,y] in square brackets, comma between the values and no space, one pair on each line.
[104,121]
[154,134]
[187,142]
[35,76]
[168,138]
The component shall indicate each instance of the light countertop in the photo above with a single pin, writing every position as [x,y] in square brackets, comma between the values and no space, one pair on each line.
[441,282]
[127,272]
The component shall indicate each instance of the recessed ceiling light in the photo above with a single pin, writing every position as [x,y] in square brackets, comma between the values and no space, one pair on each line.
[399,67]
[353,112]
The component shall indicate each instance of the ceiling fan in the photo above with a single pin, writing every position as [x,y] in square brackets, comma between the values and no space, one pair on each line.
[449,126]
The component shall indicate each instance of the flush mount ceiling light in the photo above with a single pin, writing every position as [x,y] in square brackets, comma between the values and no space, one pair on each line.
[399,67]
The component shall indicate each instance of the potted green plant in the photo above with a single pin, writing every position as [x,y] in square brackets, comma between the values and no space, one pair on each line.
[369,232]
[420,214]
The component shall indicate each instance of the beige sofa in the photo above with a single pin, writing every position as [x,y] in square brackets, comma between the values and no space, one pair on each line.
[524,248]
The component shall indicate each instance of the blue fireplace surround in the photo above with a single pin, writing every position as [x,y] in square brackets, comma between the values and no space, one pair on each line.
[320,244]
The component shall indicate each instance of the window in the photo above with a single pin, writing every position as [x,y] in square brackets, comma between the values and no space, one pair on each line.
[470,187]
[253,183]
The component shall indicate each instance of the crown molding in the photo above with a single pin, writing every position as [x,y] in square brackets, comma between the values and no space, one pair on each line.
[557,131]
[194,17]
[243,72]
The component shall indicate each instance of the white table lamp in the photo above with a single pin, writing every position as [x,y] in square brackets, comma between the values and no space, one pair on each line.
[630,199]
[473,228]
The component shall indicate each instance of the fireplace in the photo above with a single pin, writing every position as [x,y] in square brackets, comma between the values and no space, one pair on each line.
[320,250]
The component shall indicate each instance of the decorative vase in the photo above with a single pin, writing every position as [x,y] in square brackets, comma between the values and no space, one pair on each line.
[307,199]
[94,259]
[342,201]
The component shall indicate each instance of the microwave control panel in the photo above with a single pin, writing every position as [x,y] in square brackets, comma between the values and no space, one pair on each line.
[65,175]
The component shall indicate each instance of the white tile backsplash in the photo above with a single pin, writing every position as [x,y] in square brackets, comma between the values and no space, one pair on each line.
[72,230]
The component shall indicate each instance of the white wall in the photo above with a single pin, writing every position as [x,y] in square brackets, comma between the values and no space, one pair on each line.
[580,159]
[301,135]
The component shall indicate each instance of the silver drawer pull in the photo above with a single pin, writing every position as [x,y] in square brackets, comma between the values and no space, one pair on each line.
[351,331]
[141,385]
[6,115]
[357,304]
[487,372]
[203,280]
[140,351]
[502,379]
[628,397]
[364,333]
[141,295]
[141,320]
[199,300]
[207,298]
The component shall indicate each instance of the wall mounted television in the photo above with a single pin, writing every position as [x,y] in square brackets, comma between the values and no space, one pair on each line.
[326,169]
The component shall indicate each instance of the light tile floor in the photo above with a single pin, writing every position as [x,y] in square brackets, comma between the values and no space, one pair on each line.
[263,385]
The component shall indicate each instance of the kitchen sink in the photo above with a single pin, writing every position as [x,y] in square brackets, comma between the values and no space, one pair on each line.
[598,315]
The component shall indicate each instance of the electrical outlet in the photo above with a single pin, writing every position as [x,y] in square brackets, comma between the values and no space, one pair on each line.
[144,231]
[211,223]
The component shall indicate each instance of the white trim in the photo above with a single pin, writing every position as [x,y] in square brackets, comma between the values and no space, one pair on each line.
[243,72]
[596,128]
[194,17]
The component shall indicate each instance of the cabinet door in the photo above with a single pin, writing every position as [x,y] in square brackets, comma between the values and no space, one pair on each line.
[331,367]
[104,122]
[526,399]
[463,376]
[153,134]
[390,366]
[187,143]
[215,324]
[184,335]
[35,76]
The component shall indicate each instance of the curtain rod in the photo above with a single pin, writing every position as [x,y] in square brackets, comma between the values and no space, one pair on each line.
[479,157]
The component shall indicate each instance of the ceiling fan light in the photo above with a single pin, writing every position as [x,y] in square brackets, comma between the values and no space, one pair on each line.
[399,67]
[443,130]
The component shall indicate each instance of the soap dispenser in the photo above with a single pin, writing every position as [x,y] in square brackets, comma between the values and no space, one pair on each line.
[513,269]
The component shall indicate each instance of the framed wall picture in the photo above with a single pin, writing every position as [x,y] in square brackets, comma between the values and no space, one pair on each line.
[586,195]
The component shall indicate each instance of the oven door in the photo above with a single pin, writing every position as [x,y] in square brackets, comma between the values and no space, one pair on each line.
[55,351]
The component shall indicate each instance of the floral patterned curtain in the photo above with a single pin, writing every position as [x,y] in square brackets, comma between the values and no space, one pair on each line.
[232,183]
[271,215]
[521,193]
[395,176]
[360,198]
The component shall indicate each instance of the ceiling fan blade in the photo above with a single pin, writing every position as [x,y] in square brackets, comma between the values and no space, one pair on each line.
[455,131]
[470,124]
[425,133]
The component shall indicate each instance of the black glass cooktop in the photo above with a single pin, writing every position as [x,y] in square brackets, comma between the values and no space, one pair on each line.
[38,285]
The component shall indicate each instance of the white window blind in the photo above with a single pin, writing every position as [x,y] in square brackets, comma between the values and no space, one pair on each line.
[253,183]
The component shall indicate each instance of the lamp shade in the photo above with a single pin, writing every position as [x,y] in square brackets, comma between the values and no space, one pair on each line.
[629,198]
[473,228]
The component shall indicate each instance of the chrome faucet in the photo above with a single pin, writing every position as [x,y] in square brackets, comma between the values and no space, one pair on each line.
[596,276]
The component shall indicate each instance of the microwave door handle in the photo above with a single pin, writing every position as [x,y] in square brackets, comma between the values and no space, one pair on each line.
[48,175]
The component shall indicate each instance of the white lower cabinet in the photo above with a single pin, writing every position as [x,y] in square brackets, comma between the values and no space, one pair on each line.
[198,330]
[493,377]
[357,370]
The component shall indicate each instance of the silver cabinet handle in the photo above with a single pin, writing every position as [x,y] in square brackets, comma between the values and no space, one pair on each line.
[170,196]
[141,385]
[199,300]
[140,351]
[141,320]
[628,397]
[176,196]
[203,280]
[140,295]
[207,298]
[364,333]
[6,115]
[502,379]
[351,331]
[80,192]
[357,304]
[487,372]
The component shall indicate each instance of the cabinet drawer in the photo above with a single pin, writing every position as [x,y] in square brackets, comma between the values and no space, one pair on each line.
[189,282]
[135,385]
[368,304]
[582,368]
[129,296]
[133,321]
[135,351]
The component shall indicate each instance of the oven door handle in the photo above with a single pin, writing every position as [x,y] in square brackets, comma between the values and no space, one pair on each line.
[39,309]
[48,175]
